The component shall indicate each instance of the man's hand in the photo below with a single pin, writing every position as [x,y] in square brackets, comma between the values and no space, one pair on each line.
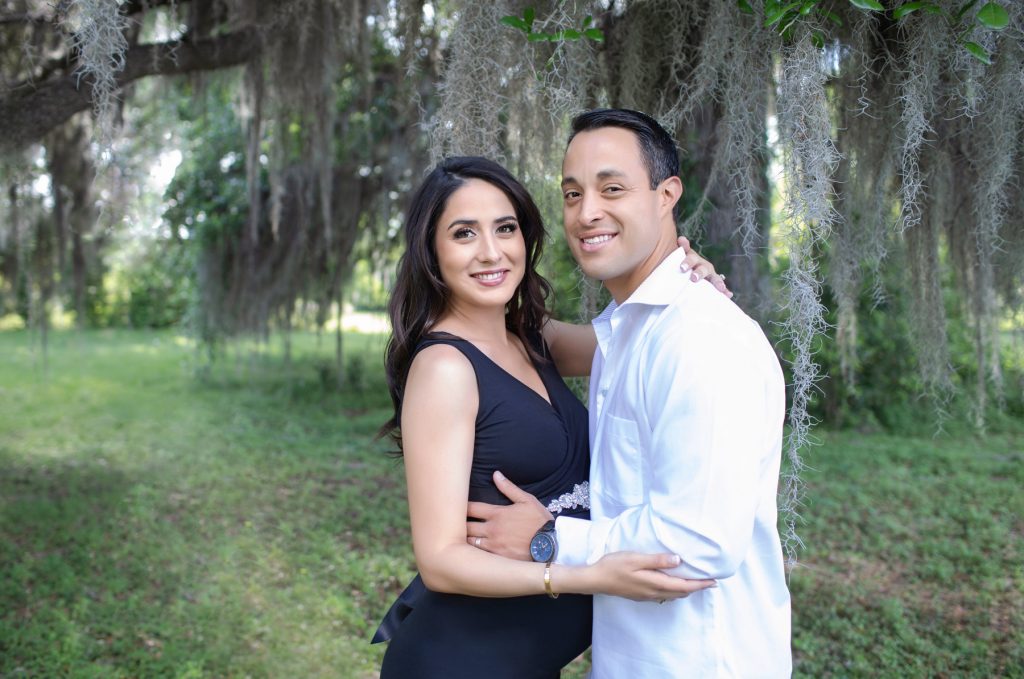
[701,268]
[506,530]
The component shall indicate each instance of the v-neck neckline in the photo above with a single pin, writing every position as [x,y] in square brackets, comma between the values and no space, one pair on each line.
[548,400]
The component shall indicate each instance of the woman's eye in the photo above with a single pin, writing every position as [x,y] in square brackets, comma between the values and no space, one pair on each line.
[510,227]
[463,233]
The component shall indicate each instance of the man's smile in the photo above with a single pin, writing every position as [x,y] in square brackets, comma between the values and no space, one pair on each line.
[595,242]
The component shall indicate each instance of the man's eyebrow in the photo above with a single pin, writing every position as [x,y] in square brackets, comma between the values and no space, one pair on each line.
[603,174]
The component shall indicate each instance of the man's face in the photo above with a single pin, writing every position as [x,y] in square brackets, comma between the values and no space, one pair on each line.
[614,221]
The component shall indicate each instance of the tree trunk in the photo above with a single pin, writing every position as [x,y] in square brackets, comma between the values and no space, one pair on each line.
[72,173]
[721,241]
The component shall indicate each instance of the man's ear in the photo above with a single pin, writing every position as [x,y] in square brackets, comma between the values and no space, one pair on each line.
[670,191]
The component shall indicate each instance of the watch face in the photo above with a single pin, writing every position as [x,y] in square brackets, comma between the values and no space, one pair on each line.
[542,547]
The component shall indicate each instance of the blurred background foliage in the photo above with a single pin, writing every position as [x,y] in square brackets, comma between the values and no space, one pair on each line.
[261,189]
[205,198]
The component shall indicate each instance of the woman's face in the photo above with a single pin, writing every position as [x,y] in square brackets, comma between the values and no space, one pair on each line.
[480,247]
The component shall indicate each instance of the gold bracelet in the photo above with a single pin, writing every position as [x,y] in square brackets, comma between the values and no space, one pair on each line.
[547,581]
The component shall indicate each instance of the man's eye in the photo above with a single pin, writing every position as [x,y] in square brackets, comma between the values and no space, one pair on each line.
[613,189]
[571,195]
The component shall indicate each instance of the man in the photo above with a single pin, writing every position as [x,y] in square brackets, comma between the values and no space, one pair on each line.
[687,402]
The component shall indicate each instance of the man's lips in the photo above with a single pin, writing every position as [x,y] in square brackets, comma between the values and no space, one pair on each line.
[496,277]
[596,241]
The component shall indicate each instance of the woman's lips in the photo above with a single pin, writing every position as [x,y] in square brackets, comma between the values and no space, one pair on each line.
[491,278]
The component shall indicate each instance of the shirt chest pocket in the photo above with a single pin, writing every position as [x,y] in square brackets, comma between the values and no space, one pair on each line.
[619,460]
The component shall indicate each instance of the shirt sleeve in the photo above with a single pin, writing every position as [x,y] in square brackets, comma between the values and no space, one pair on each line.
[707,404]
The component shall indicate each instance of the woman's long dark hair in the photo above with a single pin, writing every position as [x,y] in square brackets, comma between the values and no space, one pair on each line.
[420,296]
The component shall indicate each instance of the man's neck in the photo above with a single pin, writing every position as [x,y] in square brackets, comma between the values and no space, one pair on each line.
[624,286]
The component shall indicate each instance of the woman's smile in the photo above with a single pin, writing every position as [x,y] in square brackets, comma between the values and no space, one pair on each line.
[491,278]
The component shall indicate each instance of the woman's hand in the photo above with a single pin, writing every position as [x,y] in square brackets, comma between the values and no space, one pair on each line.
[635,576]
[701,268]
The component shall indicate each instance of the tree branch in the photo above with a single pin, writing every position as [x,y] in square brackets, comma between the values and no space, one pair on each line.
[23,19]
[28,116]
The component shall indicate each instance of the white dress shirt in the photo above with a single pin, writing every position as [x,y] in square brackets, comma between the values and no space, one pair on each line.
[687,402]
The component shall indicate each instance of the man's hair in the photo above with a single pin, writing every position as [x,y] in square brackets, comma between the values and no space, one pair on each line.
[656,146]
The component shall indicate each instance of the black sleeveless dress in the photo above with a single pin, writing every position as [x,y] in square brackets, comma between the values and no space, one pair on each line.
[543,449]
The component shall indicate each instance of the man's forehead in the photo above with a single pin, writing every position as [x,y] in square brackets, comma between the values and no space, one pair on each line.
[620,144]
[600,175]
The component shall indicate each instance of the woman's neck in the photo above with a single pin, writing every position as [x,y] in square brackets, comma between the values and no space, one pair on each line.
[474,324]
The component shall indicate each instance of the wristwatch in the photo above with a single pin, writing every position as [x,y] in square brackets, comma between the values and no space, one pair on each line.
[544,545]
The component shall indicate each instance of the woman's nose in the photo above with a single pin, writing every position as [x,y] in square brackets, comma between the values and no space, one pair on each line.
[489,250]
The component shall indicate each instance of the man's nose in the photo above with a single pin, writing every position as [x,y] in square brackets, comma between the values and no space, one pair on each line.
[590,209]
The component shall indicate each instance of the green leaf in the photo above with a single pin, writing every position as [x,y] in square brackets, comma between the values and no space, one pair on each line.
[906,8]
[528,16]
[570,34]
[588,21]
[594,34]
[515,22]
[868,4]
[806,8]
[993,16]
[538,37]
[789,24]
[831,16]
[776,16]
[978,51]
[744,6]
[965,8]
[817,39]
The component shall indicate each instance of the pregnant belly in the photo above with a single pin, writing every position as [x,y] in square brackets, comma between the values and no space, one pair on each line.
[449,635]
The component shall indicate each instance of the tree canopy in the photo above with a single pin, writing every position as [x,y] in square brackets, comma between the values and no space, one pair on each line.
[845,160]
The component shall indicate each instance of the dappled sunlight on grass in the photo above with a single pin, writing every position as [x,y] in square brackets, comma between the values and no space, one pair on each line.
[159,520]
[153,522]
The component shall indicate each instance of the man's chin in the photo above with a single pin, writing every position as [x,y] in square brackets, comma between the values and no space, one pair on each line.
[599,273]
[594,274]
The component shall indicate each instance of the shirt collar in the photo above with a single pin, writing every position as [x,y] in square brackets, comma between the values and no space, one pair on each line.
[662,285]
[658,289]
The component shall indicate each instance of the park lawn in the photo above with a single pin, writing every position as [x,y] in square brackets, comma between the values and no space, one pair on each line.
[161,520]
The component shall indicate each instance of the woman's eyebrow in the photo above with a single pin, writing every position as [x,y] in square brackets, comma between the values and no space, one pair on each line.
[473,222]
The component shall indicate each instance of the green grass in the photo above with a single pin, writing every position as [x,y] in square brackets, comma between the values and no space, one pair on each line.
[162,521]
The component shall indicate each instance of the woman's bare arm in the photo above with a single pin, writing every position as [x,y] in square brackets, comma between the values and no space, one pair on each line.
[438,420]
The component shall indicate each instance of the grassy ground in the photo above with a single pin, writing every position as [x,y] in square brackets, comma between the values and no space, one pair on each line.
[245,523]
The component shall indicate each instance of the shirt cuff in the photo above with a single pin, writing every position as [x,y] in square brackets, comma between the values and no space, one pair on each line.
[573,538]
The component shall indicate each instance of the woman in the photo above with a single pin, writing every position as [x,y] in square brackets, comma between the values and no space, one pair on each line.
[473,368]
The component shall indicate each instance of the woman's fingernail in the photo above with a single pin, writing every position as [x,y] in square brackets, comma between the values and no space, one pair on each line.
[676,559]
[499,475]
